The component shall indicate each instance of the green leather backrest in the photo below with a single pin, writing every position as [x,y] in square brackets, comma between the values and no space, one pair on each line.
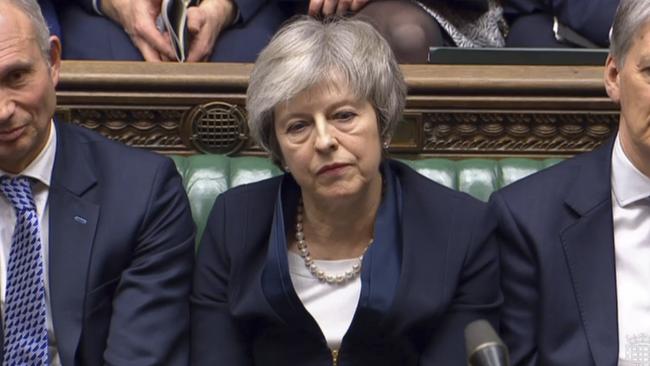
[206,176]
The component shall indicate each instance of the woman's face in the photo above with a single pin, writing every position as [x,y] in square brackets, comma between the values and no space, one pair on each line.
[330,141]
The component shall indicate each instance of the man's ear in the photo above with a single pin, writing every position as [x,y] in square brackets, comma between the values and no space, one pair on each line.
[55,59]
[612,80]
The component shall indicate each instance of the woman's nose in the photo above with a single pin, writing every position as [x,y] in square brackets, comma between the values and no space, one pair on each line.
[325,138]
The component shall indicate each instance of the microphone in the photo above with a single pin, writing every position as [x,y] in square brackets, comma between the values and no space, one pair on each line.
[484,347]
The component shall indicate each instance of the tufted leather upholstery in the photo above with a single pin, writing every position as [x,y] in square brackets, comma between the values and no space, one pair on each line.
[206,176]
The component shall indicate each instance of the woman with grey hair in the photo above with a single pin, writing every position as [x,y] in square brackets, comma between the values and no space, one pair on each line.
[349,258]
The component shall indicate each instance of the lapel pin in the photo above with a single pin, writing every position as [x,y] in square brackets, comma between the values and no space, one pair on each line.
[80,220]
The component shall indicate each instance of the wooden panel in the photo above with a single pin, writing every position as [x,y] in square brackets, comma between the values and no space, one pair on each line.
[452,110]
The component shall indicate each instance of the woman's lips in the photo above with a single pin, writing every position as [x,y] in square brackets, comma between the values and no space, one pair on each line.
[332,168]
[12,134]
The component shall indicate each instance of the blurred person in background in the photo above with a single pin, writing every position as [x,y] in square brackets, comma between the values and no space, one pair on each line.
[541,23]
[220,30]
[411,27]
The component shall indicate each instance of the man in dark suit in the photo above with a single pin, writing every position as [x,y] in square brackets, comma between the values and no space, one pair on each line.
[99,233]
[575,258]
[220,30]
[531,22]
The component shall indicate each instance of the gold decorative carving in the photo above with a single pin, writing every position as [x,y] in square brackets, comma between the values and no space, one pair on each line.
[144,127]
[509,133]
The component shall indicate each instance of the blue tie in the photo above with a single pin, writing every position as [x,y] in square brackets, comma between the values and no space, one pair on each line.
[25,337]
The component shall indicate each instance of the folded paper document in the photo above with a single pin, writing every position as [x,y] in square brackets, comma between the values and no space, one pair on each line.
[173,19]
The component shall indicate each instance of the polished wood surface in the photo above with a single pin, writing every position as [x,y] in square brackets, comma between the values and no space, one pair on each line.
[452,110]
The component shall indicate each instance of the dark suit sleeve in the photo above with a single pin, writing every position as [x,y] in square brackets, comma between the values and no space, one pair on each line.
[150,320]
[248,8]
[477,294]
[590,18]
[216,337]
[519,312]
[87,5]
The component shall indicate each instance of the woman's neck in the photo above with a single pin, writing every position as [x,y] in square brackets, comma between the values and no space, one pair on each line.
[340,229]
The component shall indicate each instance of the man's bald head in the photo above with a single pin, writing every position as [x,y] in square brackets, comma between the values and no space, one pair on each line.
[32,11]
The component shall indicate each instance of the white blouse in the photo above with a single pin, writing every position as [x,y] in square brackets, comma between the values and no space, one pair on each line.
[332,306]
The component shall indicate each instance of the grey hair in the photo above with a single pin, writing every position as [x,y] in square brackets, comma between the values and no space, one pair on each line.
[307,52]
[32,11]
[630,17]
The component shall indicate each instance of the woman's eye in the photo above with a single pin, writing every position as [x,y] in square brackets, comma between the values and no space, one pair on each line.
[344,115]
[296,127]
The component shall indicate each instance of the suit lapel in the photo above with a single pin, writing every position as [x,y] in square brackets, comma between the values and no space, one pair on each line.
[589,249]
[277,286]
[73,219]
[425,222]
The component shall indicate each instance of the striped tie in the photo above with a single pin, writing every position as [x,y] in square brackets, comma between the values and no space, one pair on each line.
[25,337]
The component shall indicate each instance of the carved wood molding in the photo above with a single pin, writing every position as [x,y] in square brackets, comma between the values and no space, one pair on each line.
[144,127]
[516,133]
[451,110]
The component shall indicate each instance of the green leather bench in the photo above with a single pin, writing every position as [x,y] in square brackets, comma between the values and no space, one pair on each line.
[206,176]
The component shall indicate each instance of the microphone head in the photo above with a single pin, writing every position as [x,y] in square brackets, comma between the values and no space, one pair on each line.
[484,347]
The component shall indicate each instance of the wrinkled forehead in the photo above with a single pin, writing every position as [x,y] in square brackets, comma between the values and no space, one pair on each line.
[17,38]
[13,22]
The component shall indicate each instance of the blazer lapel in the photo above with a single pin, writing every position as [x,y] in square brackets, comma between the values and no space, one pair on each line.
[589,249]
[277,286]
[73,219]
[382,262]
[425,221]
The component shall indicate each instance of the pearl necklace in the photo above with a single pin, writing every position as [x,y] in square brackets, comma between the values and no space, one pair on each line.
[330,279]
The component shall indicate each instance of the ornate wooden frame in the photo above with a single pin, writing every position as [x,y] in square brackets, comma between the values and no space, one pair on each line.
[452,110]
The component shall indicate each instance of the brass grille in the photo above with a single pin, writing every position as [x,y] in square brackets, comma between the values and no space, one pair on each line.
[216,128]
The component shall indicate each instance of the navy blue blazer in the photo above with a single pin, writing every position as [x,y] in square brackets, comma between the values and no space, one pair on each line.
[246,312]
[121,245]
[557,257]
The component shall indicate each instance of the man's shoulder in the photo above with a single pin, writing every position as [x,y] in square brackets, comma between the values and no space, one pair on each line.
[102,148]
[586,175]
[555,176]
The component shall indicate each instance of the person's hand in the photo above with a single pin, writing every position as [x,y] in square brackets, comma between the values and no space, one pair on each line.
[205,22]
[331,7]
[138,18]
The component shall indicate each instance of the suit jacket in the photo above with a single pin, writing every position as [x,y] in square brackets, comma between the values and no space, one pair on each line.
[590,18]
[417,292]
[558,265]
[120,254]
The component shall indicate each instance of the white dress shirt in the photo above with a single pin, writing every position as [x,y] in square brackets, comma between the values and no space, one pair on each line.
[332,306]
[41,170]
[631,213]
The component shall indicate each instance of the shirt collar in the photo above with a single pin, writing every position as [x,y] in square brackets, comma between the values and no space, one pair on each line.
[628,183]
[41,167]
